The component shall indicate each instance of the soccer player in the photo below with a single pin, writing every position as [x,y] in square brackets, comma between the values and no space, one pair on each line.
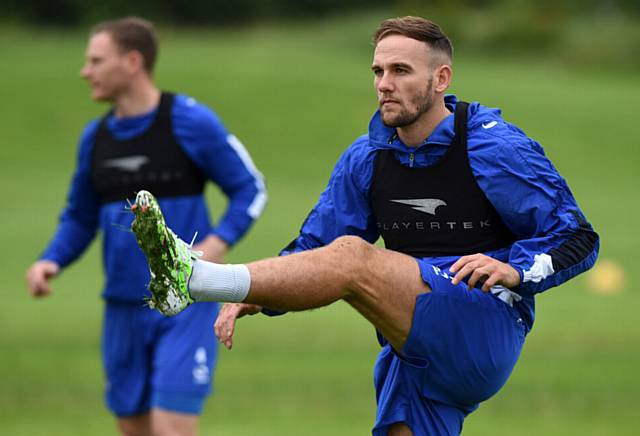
[475,219]
[158,375]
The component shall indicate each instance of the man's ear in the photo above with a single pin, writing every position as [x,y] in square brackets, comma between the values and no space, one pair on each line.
[442,78]
[134,61]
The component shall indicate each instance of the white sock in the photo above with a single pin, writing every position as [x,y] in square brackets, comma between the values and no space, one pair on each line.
[216,282]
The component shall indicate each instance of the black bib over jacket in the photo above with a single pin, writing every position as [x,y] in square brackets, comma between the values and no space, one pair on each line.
[153,161]
[438,210]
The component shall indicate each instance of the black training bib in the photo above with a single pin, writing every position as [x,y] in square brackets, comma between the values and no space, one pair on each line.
[439,210]
[153,161]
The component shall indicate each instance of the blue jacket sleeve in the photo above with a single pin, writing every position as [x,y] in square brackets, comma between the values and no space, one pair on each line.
[224,160]
[343,207]
[555,241]
[79,219]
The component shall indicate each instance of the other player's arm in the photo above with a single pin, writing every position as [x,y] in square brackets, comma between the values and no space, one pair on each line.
[39,275]
[76,228]
[223,159]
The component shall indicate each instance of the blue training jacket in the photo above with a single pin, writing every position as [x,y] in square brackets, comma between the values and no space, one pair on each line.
[219,155]
[555,242]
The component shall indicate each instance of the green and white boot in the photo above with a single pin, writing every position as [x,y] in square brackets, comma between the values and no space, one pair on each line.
[170,259]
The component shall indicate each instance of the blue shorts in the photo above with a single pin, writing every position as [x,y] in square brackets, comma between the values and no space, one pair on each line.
[460,351]
[155,361]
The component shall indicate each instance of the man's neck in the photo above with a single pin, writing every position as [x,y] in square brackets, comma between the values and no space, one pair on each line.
[415,134]
[137,100]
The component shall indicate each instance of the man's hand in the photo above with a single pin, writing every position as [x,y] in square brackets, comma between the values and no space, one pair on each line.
[213,249]
[38,277]
[226,322]
[491,270]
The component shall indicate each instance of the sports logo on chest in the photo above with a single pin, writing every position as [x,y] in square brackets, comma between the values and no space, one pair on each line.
[127,163]
[440,221]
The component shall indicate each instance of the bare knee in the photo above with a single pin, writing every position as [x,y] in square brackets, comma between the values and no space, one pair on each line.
[351,257]
[135,426]
[351,253]
[167,423]
[351,246]
[399,429]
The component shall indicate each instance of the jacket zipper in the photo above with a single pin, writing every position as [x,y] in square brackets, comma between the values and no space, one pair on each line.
[411,157]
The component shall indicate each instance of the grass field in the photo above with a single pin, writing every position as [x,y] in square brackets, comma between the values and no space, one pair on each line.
[297,96]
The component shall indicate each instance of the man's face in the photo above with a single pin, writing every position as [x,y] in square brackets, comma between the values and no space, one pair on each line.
[106,69]
[403,79]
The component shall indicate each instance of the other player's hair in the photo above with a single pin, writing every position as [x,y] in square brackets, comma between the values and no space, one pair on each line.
[132,33]
[420,29]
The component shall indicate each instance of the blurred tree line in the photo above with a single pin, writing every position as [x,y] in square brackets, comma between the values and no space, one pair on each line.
[578,31]
[581,32]
[533,13]
[194,12]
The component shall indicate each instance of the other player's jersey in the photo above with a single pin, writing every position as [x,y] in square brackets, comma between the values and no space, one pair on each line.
[219,156]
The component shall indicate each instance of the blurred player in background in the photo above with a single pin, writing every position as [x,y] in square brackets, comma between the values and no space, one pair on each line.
[475,219]
[158,376]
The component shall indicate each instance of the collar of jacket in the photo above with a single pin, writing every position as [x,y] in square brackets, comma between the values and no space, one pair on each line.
[381,136]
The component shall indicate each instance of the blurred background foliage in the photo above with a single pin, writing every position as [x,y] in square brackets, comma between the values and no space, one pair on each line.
[226,12]
[581,32]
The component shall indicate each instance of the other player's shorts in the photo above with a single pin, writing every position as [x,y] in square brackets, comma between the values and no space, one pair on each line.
[155,361]
[460,351]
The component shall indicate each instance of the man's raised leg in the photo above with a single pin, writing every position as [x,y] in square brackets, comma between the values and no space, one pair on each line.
[380,284]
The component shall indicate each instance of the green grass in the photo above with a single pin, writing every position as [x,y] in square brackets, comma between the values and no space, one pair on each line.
[297,96]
